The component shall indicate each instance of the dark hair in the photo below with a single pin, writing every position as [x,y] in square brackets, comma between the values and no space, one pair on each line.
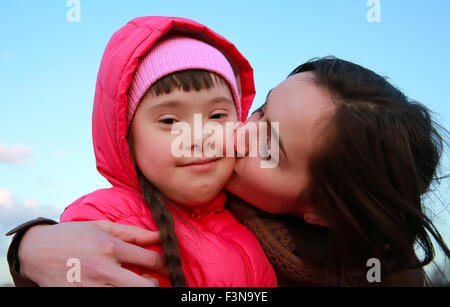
[186,80]
[377,156]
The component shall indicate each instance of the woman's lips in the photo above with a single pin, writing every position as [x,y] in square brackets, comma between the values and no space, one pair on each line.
[200,165]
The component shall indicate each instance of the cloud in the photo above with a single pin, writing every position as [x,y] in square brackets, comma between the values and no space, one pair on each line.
[15,155]
[14,212]
[5,199]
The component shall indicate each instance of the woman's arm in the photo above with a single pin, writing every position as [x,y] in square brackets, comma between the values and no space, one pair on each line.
[39,254]
[13,251]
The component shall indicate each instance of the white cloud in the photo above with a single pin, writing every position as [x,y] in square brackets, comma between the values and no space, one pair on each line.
[14,155]
[5,198]
[14,212]
[31,203]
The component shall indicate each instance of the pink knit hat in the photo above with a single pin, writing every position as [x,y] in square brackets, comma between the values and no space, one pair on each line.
[177,53]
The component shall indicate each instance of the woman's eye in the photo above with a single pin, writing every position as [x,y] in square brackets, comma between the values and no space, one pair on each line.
[260,111]
[256,116]
[265,148]
[265,153]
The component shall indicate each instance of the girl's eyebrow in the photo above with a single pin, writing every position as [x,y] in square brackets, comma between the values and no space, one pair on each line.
[222,99]
[179,103]
[167,103]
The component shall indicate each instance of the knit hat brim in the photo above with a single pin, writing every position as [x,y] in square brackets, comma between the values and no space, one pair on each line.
[177,53]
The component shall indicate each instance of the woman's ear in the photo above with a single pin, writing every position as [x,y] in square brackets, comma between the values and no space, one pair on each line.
[307,210]
[315,219]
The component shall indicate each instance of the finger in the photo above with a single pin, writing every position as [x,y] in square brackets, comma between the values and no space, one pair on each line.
[121,277]
[135,255]
[155,280]
[132,234]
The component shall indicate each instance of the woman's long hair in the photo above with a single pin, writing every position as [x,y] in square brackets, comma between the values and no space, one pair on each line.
[377,156]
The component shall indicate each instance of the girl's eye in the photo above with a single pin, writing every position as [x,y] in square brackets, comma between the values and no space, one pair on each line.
[218,115]
[167,120]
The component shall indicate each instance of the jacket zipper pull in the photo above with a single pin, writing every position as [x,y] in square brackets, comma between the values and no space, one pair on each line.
[195,215]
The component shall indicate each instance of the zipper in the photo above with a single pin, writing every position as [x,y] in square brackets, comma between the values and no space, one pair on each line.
[246,264]
[196,215]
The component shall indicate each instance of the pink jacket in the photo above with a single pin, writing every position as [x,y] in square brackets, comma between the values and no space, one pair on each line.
[216,250]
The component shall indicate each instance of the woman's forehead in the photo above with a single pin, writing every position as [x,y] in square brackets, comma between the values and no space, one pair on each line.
[298,97]
[298,104]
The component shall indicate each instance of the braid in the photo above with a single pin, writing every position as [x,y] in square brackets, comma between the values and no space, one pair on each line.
[165,222]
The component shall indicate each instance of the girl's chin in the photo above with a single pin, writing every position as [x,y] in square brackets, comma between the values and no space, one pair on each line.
[193,202]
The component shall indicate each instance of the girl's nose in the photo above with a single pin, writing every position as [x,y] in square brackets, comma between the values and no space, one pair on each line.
[208,139]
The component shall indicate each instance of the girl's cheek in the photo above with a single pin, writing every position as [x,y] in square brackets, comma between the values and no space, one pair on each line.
[163,146]
[154,152]
[159,143]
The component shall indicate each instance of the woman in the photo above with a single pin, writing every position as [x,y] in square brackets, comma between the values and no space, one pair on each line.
[356,158]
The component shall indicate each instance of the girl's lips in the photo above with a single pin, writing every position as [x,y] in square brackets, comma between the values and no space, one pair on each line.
[202,165]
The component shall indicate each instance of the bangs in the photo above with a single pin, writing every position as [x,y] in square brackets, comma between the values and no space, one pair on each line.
[186,80]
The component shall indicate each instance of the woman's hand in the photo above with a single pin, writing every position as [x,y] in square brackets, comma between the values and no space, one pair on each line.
[100,247]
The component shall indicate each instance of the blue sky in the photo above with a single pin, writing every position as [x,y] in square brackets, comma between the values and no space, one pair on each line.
[49,68]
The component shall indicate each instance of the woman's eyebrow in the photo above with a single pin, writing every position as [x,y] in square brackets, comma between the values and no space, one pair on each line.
[260,109]
[267,98]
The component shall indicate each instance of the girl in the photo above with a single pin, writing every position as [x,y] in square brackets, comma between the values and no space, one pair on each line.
[148,82]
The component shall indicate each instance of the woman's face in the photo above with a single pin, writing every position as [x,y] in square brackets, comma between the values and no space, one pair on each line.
[298,105]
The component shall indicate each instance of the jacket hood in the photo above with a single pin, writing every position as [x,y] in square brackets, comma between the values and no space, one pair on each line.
[120,61]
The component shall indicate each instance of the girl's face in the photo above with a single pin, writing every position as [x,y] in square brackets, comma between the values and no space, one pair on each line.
[299,106]
[184,180]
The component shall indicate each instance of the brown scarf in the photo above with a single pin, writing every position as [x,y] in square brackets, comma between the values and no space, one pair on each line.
[285,239]
[279,242]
